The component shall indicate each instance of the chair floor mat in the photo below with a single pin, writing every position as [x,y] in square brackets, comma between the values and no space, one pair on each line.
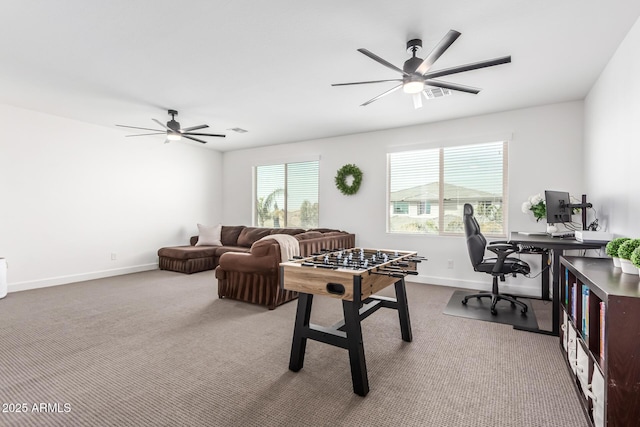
[480,309]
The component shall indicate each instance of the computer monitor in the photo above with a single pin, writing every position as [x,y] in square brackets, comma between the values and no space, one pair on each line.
[558,209]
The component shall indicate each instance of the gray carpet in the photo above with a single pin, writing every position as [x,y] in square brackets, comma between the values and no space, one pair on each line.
[159,349]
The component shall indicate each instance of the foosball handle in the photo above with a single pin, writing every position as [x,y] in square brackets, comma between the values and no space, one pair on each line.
[390,274]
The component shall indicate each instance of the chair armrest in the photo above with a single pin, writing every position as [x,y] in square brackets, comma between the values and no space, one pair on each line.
[502,250]
[264,258]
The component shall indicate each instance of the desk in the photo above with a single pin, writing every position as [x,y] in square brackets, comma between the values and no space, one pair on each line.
[557,246]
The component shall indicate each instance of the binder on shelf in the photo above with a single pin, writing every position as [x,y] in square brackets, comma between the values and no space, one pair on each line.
[585,311]
[574,301]
[602,320]
[566,287]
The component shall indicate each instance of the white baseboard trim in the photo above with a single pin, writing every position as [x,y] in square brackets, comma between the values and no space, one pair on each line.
[534,289]
[73,278]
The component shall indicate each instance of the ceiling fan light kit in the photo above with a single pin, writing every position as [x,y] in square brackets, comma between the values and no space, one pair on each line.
[417,77]
[174,136]
[412,86]
[173,130]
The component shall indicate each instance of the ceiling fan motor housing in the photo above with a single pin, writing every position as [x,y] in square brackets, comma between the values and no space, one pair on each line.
[173,125]
[411,64]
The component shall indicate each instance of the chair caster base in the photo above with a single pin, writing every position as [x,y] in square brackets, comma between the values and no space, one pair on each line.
[494,300]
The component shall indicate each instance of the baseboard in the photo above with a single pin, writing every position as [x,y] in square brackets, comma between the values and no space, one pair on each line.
[531,289]
[73,278]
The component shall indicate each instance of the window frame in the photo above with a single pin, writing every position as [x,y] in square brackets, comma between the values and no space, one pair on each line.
[285,163]
[505,140]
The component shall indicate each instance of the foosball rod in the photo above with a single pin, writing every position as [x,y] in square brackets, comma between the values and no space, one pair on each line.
[385,270]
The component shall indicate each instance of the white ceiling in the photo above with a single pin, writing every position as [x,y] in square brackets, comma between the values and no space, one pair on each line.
[267,66]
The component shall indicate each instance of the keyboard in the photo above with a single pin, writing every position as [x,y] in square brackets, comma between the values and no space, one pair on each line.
[562,234]
[528,249]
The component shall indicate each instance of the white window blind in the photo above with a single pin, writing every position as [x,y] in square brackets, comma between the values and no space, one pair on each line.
[287,195]
[428,188]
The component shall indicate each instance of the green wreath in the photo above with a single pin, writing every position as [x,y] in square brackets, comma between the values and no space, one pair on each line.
[341,179]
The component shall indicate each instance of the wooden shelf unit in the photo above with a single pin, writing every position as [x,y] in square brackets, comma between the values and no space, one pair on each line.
[612,349]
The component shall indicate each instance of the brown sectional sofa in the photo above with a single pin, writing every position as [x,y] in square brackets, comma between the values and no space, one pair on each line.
[193,259]
[247,268]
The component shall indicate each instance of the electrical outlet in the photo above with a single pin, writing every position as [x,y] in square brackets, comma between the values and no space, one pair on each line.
[450,264]
[114,256]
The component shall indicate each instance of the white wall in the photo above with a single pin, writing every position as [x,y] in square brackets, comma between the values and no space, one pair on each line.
[612,138]
[544,143]
[73,193]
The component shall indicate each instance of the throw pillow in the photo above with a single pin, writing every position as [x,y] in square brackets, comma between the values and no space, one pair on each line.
[209,235]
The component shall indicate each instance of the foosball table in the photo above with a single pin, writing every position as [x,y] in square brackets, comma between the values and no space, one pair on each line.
[354,276]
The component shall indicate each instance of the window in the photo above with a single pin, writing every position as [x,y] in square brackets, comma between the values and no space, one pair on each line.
[401,208]
[424,208]
[428,189]
[286,195]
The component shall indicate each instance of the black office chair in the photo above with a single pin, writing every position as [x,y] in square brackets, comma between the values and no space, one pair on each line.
[498,267]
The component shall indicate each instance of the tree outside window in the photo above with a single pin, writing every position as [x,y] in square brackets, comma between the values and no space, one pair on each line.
[286,195]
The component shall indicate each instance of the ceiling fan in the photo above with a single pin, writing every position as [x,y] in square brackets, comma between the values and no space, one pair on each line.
[173,130]
[416,74]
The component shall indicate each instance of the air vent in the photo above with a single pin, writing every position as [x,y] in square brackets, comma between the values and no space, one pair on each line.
[239,130]
[436,92]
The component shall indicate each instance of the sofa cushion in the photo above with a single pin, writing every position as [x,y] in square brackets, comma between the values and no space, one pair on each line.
[209,235]
[187,252]
[249,235]
[229,235]
[224,249]
[334,233]
[309,235]
[289,231]
[324,230]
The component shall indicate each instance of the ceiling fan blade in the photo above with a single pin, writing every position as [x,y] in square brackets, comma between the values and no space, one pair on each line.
[364,83]
[162,124]
[146,134]
[453,86]
[204,134]
[135,127]
[195,139]
[437,51]
[193,128]
[417,101]
[382,61]
[468,67]
[393,89]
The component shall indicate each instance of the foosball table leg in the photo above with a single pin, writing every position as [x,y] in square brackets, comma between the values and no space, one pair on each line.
[403,311]
[299,344]
[355,346]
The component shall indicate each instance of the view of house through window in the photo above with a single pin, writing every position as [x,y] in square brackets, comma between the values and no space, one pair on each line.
[428,188]
[286,195]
